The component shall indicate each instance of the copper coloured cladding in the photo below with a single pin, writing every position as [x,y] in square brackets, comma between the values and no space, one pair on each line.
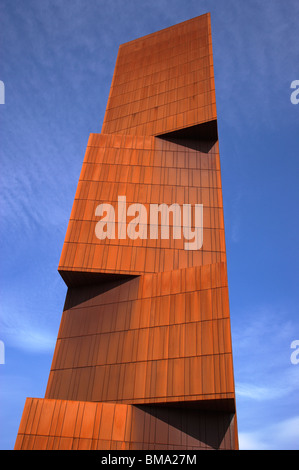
[143,357]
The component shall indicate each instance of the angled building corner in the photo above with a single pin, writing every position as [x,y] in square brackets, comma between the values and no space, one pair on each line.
[143,358]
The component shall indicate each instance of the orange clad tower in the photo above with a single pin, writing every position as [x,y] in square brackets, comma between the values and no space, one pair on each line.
[143,358]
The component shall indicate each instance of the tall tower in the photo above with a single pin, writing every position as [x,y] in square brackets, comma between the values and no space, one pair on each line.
[143,358]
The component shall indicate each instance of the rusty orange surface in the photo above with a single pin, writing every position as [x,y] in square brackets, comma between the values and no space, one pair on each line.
[154,338]
[145,171]
[163,82]
[143,358]
[77,425]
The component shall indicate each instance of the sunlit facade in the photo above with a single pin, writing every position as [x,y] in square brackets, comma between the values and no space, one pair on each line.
[143,358]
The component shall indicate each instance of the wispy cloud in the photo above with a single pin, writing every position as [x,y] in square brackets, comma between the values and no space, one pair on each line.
[282,435]
[267,383]
[254,67]
[25,331]
[272,387]
[28,337]
[31,309]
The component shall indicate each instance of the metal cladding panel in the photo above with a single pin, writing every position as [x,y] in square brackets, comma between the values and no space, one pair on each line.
[143,358]
[155,338]
[146,171]
[77,425]
[163,82]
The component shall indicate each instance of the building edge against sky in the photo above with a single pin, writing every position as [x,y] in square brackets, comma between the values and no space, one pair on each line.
[143,358]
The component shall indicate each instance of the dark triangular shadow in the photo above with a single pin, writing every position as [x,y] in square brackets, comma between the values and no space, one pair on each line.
[206,424]
[86,286]
[84,278]
[201,137]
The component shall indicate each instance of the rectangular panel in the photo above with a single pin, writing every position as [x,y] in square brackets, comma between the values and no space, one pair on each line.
[110,426]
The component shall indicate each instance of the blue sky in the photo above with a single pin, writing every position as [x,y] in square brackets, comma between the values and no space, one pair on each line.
[57,61]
